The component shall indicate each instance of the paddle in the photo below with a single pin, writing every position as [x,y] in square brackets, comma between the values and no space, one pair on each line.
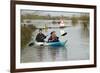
[31,44]
[64,34]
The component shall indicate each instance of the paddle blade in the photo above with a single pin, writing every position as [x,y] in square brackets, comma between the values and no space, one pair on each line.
[31,44]
[64,34]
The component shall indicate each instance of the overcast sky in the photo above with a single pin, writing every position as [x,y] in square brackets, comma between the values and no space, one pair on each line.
[52,13]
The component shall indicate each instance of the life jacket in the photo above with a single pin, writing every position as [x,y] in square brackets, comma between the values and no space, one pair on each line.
[56,39]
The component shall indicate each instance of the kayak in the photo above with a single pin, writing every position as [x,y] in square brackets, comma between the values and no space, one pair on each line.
[53,44]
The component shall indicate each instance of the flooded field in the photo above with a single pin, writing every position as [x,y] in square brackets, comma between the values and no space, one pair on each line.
[76,48]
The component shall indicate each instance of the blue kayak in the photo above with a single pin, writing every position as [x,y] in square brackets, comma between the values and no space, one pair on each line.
[53,44]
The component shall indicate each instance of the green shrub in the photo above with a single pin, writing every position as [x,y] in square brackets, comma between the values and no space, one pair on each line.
[85,21]
[74,20]
[26,33]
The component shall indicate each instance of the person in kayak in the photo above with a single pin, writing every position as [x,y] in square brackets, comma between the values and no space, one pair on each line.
[53,37]
[40,36]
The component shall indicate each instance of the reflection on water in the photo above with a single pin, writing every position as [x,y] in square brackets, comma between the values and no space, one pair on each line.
[42,54]
[76,48]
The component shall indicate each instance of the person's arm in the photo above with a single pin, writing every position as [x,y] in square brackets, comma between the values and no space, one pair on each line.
[50,40]
[37,37]
[57,39]
[44,36]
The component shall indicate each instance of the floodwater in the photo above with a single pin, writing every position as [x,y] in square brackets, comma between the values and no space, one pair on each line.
[76,48]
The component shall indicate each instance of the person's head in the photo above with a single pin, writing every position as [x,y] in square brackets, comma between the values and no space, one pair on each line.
[40,30]
[53,33]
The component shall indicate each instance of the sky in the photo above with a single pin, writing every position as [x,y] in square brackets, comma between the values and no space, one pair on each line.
[52,13]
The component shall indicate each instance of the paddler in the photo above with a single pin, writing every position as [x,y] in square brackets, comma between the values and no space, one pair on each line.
[53,37]
[40,36]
